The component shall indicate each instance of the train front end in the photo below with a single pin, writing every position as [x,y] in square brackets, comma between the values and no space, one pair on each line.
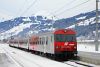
[65,42]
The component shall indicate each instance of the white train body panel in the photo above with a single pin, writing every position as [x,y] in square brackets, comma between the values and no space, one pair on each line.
[23,43]
[48,43]
[15,45]
[23,46]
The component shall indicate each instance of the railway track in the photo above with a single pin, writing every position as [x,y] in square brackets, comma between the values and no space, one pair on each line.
[75,63]
[12,58]
[13,55]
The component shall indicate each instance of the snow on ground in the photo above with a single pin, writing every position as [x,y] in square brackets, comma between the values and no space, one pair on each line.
[76,65]
[87,22]
[17,29]
[87,46]
[26,59]
[83,23]
[81,64]
[1,50]
[46,14]
[27,19]
[6,60]
[50,29]
[81,18]
[72,26]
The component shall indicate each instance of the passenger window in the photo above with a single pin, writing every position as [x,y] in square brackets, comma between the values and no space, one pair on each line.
[35,43]
[46,40]
[51,38]
[38,41]
[42,40]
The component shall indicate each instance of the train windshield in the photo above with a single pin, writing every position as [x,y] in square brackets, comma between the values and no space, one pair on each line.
[64,38]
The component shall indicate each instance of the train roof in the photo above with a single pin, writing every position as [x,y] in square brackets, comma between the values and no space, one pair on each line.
[65,31]
[19,38]
[58,31]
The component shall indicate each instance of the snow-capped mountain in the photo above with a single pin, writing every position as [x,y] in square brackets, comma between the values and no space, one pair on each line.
[83,23]
[24,26]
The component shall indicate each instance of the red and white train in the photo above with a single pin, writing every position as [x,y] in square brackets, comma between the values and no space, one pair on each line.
[61,42]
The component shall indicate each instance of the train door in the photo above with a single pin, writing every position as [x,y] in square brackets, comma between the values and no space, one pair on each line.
[45,43]
[28,44]
[51,44]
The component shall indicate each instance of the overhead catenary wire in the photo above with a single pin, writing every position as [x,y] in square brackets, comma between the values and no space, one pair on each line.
[72,8]
[21,8]
[29,7]
[59,10]
[68,3]
[64,6]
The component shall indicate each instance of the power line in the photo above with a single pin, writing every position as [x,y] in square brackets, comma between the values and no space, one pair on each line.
[20,9]
[64,6]
[29,7]
[72,7]
[68,3]
[67,9]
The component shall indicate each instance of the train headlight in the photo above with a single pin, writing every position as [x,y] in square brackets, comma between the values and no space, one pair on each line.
[75,47]
[57,47]
[71,44]
[65,31]
[66,43]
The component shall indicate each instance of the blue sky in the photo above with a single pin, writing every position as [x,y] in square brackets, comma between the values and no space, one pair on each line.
[14,8]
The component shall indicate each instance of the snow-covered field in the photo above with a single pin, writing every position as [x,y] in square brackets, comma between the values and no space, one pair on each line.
[88,46]
[26,59]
